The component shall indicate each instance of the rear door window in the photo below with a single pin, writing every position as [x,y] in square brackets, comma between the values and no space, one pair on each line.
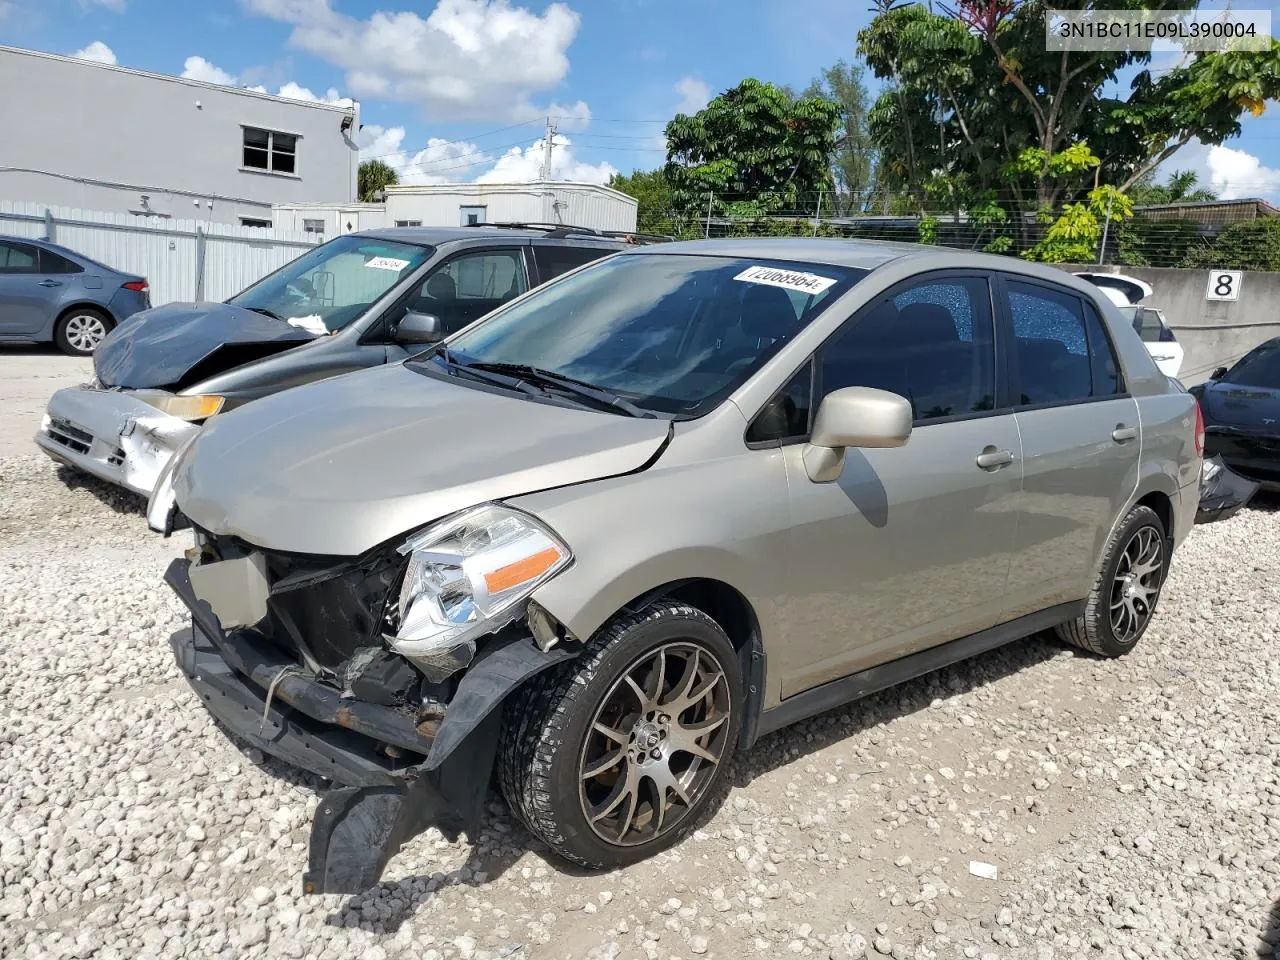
[555,259]
[18,258]
[1062,353]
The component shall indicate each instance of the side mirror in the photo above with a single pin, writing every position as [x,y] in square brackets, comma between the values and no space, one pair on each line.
[854,417]
[1218,374]
[415,328]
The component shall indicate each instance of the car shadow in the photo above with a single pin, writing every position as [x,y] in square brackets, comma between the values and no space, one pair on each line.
[1269,936]
[118,499]
[502,841]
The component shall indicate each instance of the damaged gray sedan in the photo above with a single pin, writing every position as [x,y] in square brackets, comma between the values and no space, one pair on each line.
[599,541]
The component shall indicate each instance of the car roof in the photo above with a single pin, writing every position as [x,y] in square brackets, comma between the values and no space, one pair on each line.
[64,251]
[437,236]
[863,254]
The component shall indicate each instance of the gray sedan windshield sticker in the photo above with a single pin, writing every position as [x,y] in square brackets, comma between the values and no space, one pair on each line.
[787,279]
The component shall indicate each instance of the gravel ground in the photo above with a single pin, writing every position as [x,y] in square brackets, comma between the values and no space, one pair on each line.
[1132,808]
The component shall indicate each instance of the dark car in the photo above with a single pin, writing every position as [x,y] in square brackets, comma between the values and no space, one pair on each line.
[360,300]
[50,293]
[1241,408]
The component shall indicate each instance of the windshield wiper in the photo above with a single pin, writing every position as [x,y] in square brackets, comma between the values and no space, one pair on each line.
[511,383]
[265,312]
[587,391]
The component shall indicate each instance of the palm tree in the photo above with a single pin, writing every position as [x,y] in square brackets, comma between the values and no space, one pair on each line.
[373,177]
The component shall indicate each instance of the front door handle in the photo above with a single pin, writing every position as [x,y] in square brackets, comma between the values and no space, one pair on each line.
[1123,433]
[992,459]
[50,283]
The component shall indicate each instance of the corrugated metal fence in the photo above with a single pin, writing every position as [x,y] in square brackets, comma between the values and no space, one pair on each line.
[181,259]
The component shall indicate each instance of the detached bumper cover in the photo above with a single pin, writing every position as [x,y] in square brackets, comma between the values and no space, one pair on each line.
[381,802]
[112,435]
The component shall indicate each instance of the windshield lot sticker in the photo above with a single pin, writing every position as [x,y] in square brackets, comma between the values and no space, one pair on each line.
[387,263]
[787,279]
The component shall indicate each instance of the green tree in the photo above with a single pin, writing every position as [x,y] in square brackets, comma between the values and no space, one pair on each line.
[755,150]
[968,90]
[655,212]
[853,165]
[1159,242]
[1181,187]
[373,176]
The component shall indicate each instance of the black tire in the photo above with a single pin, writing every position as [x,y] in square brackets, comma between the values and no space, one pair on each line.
[79,331]
[1097,630]
[549,726]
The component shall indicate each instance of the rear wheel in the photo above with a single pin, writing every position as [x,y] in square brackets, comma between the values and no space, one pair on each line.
[80,330]
[1124,596]
[613,757]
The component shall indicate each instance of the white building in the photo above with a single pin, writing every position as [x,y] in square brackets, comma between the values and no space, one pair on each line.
[328,219]
[98,137]
[458,204]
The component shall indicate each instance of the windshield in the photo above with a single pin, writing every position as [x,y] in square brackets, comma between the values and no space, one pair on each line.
[328,287]
[670,333]
[1260,368]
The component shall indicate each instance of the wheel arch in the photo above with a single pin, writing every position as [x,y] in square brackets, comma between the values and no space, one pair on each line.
[51,331]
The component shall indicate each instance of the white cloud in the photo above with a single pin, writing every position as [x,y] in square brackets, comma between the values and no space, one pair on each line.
[1236,174]
[694,95]
[473,59]
[98,52]
[198,68]
[456,161]
[524,165]
[441,161]
[1233,174]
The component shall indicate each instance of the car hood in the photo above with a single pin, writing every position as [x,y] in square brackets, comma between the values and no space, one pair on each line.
[339,466]
[1232,405]
[163,346]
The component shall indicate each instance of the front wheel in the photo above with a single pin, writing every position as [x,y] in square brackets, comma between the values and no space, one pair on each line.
[1124,596]
[81,330]
[613,757]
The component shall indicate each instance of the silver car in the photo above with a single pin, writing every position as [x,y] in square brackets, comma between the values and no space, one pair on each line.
[621,528]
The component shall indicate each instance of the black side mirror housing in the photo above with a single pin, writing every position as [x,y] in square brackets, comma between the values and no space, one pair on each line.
[417,328]
[1218,374]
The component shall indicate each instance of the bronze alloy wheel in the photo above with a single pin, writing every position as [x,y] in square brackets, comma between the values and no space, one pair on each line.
[1136,585]
[654,743]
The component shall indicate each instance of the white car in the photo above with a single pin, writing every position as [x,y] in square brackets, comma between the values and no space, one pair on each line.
[1125,292]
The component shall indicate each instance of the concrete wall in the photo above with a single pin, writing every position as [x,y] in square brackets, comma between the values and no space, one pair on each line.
[97,137]
[1213,333]
[579,204]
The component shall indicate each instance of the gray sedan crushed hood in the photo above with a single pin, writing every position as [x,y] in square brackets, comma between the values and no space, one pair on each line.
[342,465]
[165,346]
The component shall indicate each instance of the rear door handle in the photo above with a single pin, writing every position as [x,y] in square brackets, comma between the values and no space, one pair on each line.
[1123,434]
[50,283]
[992,459]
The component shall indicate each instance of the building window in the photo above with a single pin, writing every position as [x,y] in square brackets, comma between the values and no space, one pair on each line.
[471,216]
[408,223]
[313,226]
[255,222]
[270,150]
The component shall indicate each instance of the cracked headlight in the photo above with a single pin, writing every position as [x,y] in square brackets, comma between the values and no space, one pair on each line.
[467,576]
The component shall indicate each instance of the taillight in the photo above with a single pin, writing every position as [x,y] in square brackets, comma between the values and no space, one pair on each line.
[139,286]
[1199,431]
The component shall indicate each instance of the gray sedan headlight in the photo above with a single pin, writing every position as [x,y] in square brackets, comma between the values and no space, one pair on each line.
[467,576]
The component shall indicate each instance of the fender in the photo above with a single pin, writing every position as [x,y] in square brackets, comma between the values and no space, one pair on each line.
[357,830]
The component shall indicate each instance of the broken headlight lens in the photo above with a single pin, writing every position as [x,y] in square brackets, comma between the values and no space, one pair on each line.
[184,408]
[466,577]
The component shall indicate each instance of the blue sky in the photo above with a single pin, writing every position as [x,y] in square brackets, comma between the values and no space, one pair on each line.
[455,89]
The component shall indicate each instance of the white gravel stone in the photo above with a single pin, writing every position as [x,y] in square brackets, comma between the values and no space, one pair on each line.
[1132,807]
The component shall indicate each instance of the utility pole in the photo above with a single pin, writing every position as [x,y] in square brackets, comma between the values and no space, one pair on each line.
[546,149]
[1106,226]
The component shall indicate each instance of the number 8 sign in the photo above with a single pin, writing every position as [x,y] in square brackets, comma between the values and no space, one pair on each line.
[1224,285]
